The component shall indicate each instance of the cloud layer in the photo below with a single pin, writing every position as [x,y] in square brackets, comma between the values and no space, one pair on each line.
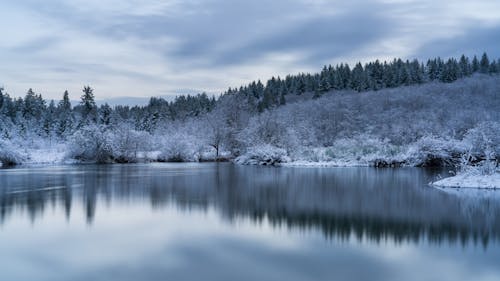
[153,47]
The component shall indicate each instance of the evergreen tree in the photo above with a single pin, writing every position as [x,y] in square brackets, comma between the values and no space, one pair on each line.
[359,80]
[30,105]
[1,98]
[105,112]
[64,105]
[324,85]
[432,70]
[64,116]
[88,105]
[465,67]
[450,71]
[484,64]
[88,101]
[475,65]
[48,119]
[493,67]
[377,76]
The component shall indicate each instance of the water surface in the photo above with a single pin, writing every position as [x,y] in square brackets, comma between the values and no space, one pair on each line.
[228,222]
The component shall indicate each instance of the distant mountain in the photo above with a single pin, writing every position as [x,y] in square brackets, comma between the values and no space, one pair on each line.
[124,101]
[128,101]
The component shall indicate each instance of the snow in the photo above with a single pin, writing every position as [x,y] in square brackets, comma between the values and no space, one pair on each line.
[9,154]
[471,193]
[470,181]
[148,155]
[55,155]
[430,124]
[325,164]
[263,155]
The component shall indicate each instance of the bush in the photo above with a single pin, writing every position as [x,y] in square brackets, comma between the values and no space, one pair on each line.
[469,165]
[126,144]
[10,154]
[484,137]
[359,150]
[432,151]
[263,155]
[179,148]
[91,144]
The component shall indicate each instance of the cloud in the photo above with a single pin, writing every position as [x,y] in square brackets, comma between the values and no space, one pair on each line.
[473,41]
[155,47]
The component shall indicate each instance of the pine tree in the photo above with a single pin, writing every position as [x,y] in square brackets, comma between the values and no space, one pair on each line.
[48,120]
[493,67]
[450,71]
[475,65]
[88,98]
[432,71]
[29,104]
[89,108]
[324,85]
[64,105]
[377,76]
[465,68]
[64,116]
[416,73]
[105,112]
[359,80]
[484,64]
[1,99]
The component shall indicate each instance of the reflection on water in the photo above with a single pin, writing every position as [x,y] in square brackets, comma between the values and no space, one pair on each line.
[364,203]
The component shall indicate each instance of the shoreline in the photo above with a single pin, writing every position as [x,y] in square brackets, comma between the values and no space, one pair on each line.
[490,182]
[462,181]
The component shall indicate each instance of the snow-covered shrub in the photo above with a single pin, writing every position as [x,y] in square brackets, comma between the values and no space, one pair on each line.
[267,129]
[365,148]
[127,144]
[263,155]
[434,151]
[358,150]
[179,148]
[91,143]
[10,154]
[469,165]
[485,137]
[489,165]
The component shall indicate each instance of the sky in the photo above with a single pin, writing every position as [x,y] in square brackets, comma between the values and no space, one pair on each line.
[143,48]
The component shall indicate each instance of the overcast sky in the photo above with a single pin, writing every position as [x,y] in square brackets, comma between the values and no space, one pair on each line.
[171,47]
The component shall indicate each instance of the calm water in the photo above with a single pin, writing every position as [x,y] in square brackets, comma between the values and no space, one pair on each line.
[227,222]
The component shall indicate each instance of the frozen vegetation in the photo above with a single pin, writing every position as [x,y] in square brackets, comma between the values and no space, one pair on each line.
[483,175]
[380,114]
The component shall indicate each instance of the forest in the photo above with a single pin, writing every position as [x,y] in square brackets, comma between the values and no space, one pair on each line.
[397,113]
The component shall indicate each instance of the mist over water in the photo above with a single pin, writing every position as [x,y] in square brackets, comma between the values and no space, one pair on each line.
[223,221]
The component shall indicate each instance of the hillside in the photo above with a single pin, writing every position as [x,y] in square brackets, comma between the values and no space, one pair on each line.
[432,124]
[404,113]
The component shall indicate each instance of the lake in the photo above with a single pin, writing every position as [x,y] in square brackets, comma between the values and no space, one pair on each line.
[219,221]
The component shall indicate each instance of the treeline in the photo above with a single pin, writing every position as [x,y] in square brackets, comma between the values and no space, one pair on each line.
[46,118]
[33,116]
[371,76]
[282,114]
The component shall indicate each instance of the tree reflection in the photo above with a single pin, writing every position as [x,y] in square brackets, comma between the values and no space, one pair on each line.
[360,203]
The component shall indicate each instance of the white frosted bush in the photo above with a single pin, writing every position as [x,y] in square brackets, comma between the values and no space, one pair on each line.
[179,148]
[10,154]
[484,137]
[126,143]
[428,149]
[361,150]
[263,155]
[91,143]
